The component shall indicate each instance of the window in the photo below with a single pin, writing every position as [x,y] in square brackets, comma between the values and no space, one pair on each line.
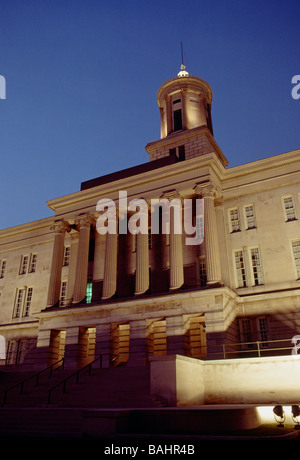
[20,295]
[89,292]
[234,221]
[181,153]
[256,267]
[240,268]
[28,263]
[253,330]
[246,334]
[262,328]
[23,302]
[24,265]
[289,208]
[249,216]
[63,293]
[27,305]
[149,238]
[67,252]
[32,265]
[177,120]
[296,253]
[2,268]
[202,272]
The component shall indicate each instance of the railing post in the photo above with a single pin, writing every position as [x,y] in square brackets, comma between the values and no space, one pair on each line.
[224,351]
[258,349]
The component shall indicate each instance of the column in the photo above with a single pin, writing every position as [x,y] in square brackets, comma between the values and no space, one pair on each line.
[184,95]
[212,253]
[169,114]
[142,264]
[84,225]
[175,255]
[98,269]
[60,228]
[110,266]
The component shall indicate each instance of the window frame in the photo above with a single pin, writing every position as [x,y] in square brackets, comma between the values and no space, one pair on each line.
[246,218]
[231,221]
[297,271]
[243,276]
[32,262]
[285,209]
[3,264]
[253,273]
[63,293]
[24,264]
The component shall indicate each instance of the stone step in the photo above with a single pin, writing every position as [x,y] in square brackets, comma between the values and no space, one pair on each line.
[108,387]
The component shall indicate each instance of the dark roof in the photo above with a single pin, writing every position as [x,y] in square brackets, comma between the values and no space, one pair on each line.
[128,172]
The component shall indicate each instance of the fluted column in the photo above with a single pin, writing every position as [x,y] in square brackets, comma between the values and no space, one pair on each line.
[175,255]
[84,225]
[212,253]
[57,261]
[142,264]
[184,95]
[110,266]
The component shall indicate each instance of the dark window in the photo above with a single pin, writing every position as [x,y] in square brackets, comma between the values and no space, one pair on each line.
[181,153]
[177,120]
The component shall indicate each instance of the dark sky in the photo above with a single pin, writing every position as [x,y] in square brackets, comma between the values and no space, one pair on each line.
[82,77]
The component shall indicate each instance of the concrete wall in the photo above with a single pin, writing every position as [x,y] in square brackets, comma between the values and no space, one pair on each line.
[184,381]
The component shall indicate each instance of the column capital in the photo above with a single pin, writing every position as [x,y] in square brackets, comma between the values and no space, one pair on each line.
[60,226]
[171,194]
[207,190]
[84,220]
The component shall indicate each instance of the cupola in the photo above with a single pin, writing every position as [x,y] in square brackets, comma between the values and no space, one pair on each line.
[184,103]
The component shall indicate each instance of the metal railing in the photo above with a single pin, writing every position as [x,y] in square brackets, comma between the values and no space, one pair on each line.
[36,376]
[258,348]
[75,374]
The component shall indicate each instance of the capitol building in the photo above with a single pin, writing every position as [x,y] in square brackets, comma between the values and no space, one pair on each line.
[69,291]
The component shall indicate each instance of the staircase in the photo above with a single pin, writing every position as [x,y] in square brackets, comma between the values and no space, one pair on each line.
[119,387]
[31,414]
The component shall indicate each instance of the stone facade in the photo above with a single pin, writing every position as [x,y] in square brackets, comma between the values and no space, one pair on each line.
[68,291]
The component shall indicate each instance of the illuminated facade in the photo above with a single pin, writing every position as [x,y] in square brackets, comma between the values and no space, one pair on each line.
[68,291]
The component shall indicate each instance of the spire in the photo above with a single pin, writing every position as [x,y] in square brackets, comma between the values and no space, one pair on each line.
[183,72]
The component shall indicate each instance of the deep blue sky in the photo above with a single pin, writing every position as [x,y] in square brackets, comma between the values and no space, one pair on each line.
[82,78]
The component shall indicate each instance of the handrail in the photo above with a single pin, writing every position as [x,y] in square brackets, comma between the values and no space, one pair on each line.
[259,347]
[63,382]
[37,374]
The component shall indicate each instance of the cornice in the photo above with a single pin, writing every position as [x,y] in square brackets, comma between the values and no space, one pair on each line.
[191,82]
[176,170]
